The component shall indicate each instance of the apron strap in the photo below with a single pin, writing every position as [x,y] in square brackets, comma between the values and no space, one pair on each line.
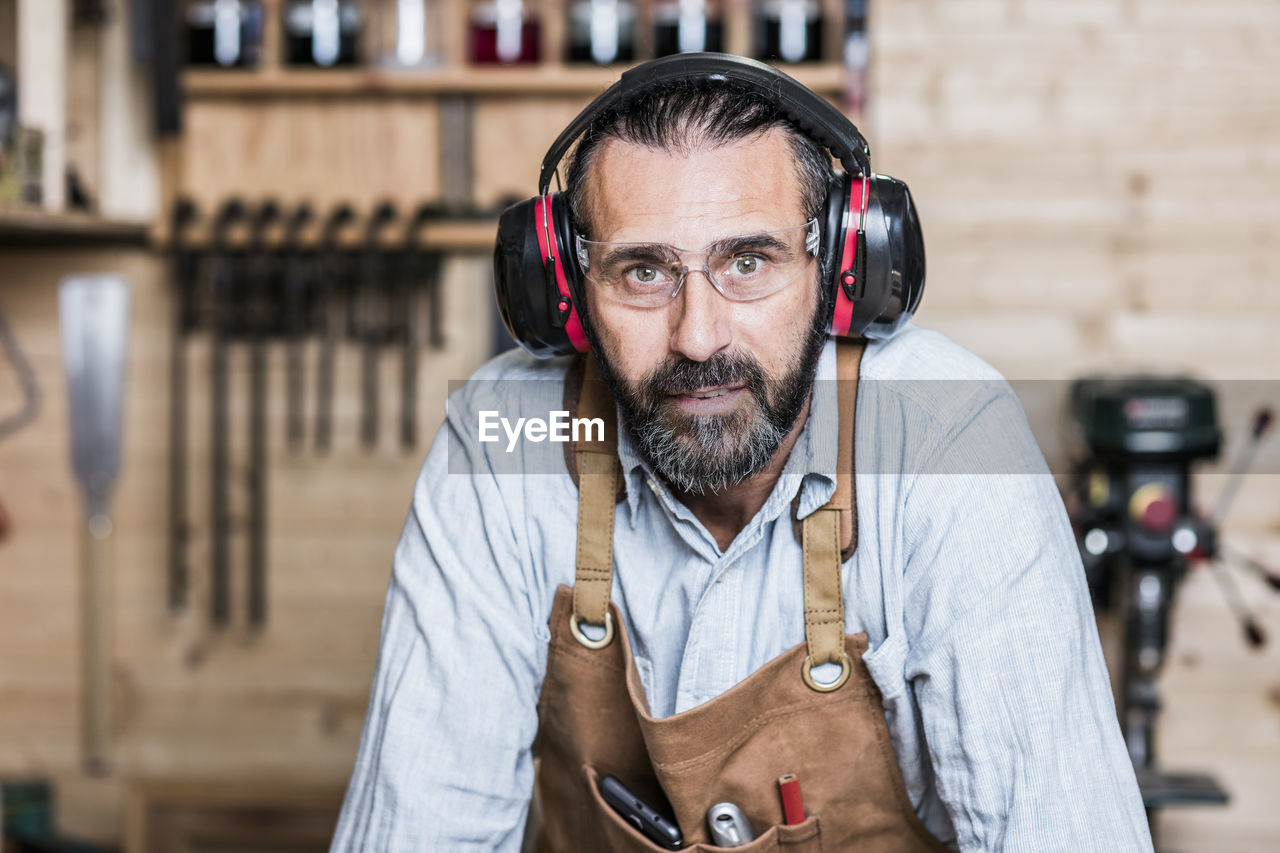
[598,477]
[845,499]
[825,531]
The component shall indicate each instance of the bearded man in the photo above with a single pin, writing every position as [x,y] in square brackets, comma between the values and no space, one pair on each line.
[708,607]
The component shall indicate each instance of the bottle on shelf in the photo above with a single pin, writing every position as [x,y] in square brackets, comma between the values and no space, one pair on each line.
[601,31]
[224,33]
[406,33]
[857,55]
[789,30]
[503,32]
[682,26]
[321,33]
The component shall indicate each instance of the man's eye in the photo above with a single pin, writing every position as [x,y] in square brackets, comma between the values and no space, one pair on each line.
[746,265]
[644,275]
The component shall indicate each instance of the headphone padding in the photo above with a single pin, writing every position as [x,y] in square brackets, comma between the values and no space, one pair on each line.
[833,220]
[875,287]
[906,264]
[525,298]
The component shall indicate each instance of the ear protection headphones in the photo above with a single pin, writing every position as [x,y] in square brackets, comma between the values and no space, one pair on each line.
[869,223]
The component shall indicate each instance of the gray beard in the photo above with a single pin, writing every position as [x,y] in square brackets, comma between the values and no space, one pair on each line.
[697,454]
[709,452]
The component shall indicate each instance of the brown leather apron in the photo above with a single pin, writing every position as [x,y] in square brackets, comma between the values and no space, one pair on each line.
[594,718]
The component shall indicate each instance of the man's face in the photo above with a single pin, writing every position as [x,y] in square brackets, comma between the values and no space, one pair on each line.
[709,387]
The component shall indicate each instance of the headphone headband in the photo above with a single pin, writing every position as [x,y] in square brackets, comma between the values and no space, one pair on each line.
[812,113]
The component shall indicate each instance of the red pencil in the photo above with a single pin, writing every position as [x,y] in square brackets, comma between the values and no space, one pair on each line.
[792,804]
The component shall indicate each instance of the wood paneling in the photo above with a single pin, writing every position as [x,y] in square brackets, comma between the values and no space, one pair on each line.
[1097,181]
[191,701]
[351,150]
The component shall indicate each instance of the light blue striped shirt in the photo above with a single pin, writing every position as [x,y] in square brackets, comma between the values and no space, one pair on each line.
[966,579]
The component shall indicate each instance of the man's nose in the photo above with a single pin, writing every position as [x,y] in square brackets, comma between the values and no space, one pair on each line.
[700,324]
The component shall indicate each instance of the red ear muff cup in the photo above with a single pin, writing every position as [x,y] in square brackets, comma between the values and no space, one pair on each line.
[538,313]
[843,210]
[832,221]
[889,280]
[555,239]
[873,290]
[895,256]
[525,301]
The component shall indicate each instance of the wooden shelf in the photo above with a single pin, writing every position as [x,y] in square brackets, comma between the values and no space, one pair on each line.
[453,235]
[827,79]
[19,228]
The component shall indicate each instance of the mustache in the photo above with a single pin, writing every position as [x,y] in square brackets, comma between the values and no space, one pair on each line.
[685,375]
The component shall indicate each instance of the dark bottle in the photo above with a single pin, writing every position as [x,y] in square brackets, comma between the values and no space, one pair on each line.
[601,31]
[681,26]
[321,33]
[789,30]
[503,32]
[857,56]
[224,33]
[8,111]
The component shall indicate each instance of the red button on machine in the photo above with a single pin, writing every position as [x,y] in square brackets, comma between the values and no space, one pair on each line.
[1153,507]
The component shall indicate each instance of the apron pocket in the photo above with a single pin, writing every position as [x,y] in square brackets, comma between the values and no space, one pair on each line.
[622,837]
[799,838]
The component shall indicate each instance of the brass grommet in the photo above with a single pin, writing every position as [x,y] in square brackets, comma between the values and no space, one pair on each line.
[846,666]
[587,641]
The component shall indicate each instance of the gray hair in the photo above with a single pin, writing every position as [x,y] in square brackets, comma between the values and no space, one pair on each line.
[683,115]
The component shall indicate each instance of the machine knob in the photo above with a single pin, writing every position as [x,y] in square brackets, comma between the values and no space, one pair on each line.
[1154,507]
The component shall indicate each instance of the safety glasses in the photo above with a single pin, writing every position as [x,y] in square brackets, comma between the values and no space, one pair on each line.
[741,268]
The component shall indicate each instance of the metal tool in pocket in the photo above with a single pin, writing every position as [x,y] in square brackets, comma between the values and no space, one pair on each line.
[728,826]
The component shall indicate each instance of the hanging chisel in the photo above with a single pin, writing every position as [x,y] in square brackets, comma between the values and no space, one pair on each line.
[186,267]
[223,263]
[332,272]
[260,304]
[297,280]
[371,319]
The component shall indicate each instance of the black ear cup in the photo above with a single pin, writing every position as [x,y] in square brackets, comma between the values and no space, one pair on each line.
[566,238]
[834,214]
[876,288]
[536,278]
[895,259]
[520,283]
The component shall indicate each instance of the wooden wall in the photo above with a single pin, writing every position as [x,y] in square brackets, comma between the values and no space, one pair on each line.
[191,702]
[1098,184]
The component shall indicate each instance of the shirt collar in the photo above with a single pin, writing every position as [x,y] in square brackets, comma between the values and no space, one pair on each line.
[811,467]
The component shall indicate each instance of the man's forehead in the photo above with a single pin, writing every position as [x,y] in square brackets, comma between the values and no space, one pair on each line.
[694,195]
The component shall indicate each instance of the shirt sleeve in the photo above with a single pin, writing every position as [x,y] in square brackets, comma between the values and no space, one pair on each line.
[444,761]
[1006,666]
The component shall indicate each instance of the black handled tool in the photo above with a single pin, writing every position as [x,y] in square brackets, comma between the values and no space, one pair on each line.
[186,269]
[296,283]
[371,320]
[224,270]
[333,266]
[258,304]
